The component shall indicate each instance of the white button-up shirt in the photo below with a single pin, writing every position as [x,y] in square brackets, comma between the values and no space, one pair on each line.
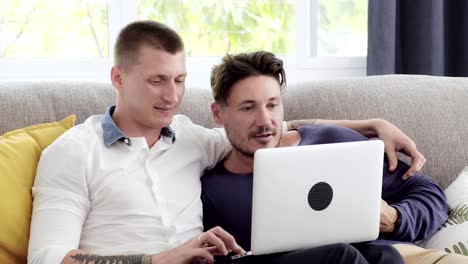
[123,198]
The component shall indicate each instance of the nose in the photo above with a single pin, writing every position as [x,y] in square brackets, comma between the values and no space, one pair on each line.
[263,117]
[170,93]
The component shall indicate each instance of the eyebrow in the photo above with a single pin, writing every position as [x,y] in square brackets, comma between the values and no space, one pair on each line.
[253,101]
[163,76]
[246,102]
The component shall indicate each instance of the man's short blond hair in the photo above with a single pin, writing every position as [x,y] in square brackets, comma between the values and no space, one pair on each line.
[137,34]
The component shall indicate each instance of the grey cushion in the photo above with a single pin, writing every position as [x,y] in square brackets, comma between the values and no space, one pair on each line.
[29,103]
[431,110]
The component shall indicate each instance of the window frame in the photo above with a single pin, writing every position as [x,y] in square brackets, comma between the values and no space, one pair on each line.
[307,39]
[304,65]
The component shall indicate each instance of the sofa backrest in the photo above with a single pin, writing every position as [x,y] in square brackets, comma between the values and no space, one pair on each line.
[433,111]
[29,103]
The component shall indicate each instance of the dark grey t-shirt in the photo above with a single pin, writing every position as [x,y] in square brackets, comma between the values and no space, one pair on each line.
[227,197]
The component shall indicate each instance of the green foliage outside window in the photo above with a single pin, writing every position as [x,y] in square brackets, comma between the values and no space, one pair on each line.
[79,28]
[47,28]
[213,27]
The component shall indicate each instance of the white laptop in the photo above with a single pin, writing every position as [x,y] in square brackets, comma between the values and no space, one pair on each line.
[308,196]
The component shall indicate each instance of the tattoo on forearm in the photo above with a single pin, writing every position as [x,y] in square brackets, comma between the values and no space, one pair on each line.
[124,259]
[295,124]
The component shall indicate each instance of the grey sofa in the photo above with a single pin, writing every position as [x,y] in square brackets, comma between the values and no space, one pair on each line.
[431,110]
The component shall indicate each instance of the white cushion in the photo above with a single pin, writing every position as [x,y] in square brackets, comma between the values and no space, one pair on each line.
[453,235]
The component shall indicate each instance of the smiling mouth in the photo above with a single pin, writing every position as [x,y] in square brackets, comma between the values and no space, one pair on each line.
[164,110]
[263,138]
[263,135]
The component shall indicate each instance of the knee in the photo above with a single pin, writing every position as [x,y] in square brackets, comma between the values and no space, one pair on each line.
[346,251]
[391,255]
[381,253]
[344,247]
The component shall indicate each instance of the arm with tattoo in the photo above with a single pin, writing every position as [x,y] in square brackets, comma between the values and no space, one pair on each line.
[220,241]
[81,257]
[367,128]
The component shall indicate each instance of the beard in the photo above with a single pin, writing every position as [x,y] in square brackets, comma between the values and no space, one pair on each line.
[244,150]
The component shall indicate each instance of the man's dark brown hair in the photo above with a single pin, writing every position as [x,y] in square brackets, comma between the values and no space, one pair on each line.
[154,34]
[234,68]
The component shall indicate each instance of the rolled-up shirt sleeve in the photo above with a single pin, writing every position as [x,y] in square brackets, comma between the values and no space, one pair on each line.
[60,201]
[420,201]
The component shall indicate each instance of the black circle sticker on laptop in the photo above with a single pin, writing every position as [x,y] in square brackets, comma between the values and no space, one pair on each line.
[320,196]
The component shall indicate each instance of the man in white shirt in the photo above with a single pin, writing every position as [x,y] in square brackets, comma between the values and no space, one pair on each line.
[124,187]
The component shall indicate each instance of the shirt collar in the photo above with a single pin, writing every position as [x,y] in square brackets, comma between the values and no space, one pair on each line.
[168,132]
[112,134]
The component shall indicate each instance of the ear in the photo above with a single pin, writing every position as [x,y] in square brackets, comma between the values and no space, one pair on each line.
[116,78]
[216,112]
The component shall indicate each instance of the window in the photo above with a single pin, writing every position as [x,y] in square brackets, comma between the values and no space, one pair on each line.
[342,28]
[53,39]
[334,35]
[39,29]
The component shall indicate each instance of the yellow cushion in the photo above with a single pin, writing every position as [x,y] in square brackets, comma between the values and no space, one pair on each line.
[19,154]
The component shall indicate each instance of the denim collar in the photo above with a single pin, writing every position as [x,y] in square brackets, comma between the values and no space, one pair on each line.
[112,134]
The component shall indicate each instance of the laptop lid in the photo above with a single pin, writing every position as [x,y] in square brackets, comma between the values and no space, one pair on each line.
[308,196]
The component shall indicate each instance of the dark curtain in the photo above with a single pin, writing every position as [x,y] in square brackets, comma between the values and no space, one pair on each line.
[418,37]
